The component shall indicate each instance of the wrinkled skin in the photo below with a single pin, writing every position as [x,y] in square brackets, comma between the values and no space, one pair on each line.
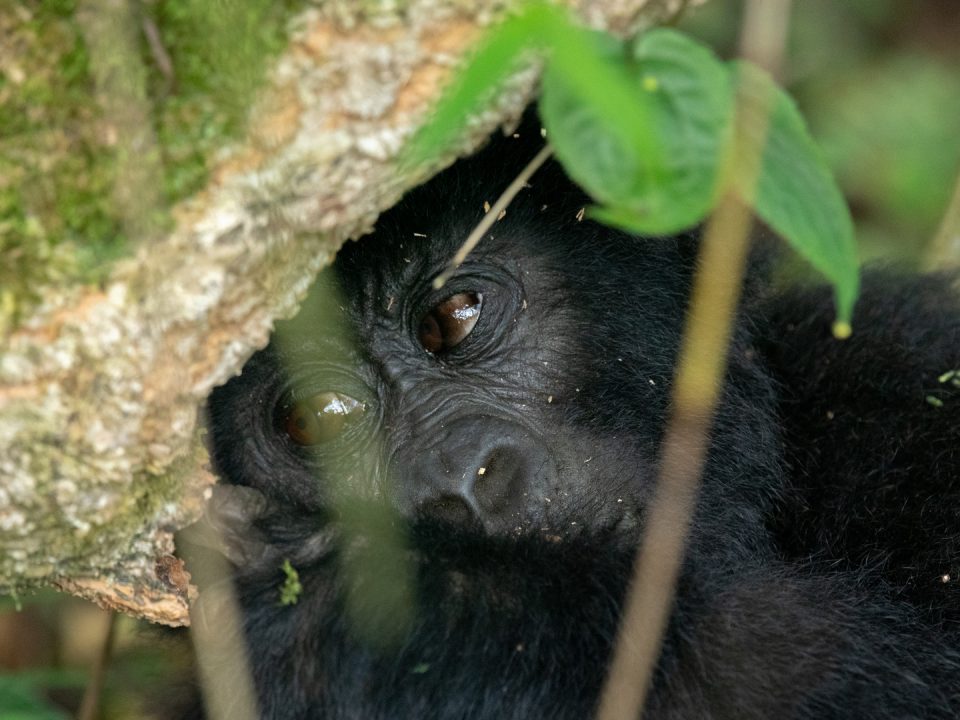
[464,519]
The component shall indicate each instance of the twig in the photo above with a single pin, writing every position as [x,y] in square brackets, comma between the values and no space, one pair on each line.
[491,217]
[110,32]
[216,629]
[679,15]
[945,249]
[158,51]
[650,598]
[697,388]
[763,37]
[90,706]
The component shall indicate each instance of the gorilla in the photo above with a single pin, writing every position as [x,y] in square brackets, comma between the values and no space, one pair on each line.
[459,477]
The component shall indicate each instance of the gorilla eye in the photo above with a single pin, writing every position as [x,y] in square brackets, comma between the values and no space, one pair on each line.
[321,418]
[448,323]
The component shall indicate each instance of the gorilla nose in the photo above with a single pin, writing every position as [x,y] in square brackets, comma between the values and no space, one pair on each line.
[456,509]
[483,471]
[471,478]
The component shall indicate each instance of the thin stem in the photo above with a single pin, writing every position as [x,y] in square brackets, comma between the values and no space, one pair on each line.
[491,217]
[696,392]
[697,388]
[945,250]
[216,628]
[90,706]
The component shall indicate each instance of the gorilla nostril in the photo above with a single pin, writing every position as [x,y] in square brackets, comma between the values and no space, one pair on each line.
[449,508]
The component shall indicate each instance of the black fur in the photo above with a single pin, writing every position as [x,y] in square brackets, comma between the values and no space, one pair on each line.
[821,577]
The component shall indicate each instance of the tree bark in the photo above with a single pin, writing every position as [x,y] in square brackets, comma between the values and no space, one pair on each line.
[101,388]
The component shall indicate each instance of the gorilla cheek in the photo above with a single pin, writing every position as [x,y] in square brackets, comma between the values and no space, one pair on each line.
[481,471]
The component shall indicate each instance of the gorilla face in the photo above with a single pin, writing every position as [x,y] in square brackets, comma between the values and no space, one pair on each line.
[525,396]
[506,430]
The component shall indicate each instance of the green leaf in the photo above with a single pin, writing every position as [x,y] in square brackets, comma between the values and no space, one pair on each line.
[644,133]
[649,134]
[498,54]
[692,98]
[796,195]
[593,114]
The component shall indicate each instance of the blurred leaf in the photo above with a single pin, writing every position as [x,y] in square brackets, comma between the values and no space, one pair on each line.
[497,55]
[377,569]
[19,701]
[581,56]
[889,129]
[49,677]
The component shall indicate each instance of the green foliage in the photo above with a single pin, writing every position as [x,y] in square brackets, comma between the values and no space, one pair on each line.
[647,131]
[21,699]
[950,376]
[376,567]
[686,112]
[795,193]
[879,84]
[949,387]
[590,100]
[890,129]
[495,56]
[291,588]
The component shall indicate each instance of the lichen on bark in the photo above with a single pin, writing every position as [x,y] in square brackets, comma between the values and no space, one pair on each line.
[102,385]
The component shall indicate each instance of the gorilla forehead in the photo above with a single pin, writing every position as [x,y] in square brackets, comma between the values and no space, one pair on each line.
[601,282]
